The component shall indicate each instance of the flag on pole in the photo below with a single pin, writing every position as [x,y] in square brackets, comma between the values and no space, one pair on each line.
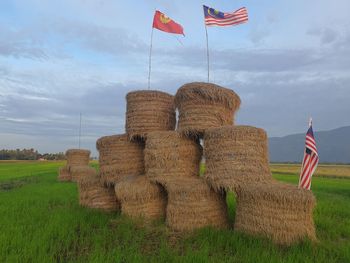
[310,160]
[164,23]
[214,17]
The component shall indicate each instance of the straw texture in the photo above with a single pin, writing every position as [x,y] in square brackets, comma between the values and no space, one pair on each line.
[79,172]
[119,158]
[77,157]
[192,204]
[149,110]
[205,105]
[141,198]
[63,174]
[275,210]
[168,154]
[235,155]
[93,195]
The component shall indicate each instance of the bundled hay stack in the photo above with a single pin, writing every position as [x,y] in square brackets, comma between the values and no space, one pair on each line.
[275,210]
[141,198]
[168,154]
[93,195]
[63,174]
[205,105]
[79,172]
[149,110]
[119,158]
[192,204]
[77,157]
[235,155]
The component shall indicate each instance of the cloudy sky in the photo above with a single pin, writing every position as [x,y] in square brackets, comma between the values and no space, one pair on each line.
[60,58]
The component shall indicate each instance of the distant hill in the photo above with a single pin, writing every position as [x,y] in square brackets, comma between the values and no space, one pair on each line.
[333,146]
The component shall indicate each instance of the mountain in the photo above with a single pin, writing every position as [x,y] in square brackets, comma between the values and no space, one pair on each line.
[333,146]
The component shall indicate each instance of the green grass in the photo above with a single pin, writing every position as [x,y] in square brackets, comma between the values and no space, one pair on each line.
[41,221]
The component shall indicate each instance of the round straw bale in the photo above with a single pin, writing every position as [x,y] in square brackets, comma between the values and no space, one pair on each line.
[93,195]
[119,158]
[141,198]
[63,174]
[149,110]
[168,154]
[77,157]
[276,210]
[205,105]
[79,172]
[193,204]
[235,155]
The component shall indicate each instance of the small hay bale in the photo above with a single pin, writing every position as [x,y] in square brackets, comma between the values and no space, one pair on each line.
[168,154]
[149,110]
[276,210]
[79,172]
[119,158]
[77,157]
[140,198]
[64,175]
[93,195]
[205,105]
[192,204]
[235,155]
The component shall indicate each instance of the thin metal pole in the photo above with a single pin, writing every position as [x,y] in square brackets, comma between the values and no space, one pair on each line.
[206,34]
[150,60]
[79,130]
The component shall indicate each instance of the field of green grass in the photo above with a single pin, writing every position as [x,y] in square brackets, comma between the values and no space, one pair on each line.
[41,221]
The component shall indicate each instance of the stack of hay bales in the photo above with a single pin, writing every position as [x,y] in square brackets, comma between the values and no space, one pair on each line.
[205,105]
[119,158]
[279,211]
[149,110]
[236,155]
[75,158]
[93,194]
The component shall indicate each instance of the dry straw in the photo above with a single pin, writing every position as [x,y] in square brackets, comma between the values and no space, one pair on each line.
[235,155]
[192,204]
[93,195]
[275,210]
[77,157]
[205,105]
[79,172]
[168,154]
[140,198]
[149,110]
[119,158]
[63,174]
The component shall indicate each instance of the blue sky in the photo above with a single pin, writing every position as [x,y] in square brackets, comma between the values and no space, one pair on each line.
[60,58]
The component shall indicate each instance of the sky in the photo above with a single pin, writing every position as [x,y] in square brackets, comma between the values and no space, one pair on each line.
[62,58]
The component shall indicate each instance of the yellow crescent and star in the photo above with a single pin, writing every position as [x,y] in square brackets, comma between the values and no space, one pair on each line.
[164,19]
[216,12]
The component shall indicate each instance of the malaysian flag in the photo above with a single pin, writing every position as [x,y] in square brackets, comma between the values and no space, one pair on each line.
[310,160]
[214,17]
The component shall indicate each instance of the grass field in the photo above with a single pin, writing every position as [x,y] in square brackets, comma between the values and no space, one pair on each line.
[41,221]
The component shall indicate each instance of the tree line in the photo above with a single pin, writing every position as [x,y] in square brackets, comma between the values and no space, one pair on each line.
[29,154]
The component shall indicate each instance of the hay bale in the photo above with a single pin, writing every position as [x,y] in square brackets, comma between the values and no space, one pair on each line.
[64,175]
[235,155]
[79,172]
[77,157]
[205,105]
[119,158]
[93,195]
[275,210]
[168,154]
[192,204]
[141,198]
[149,110]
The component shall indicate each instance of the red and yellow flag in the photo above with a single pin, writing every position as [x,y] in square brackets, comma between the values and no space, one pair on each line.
[164,23]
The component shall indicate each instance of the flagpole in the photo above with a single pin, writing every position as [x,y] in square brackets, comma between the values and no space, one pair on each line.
[150,60]
[79,130]
[206,34]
